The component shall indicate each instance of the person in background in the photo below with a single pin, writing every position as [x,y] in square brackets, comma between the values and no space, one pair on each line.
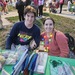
[25,31]
[69,5]
[54,41]
[54,2]
[61,5]
[6,9]
[71,2]
[12,3]
[20,8]
[74,2]
[27,2]
[41,3]
[36,5]
[3,5]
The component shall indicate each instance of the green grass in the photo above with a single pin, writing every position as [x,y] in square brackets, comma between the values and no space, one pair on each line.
[13,19]
[10,8]
[64,9]
[3,30]
[61,23]
[2,39]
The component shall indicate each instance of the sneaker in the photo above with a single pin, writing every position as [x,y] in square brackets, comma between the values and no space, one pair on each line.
[59,12]
[41,16]
[1,13]
[6,12]
[37,17]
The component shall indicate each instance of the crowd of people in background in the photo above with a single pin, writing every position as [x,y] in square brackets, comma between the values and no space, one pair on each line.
[5,3]
[38,5]
[20,5]
[69,4]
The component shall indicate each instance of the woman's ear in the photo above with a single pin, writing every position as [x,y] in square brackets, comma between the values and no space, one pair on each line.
[43,25]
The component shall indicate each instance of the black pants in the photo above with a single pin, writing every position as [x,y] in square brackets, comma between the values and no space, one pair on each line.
[21,17]
[61,5]
[40,10]
[36,8]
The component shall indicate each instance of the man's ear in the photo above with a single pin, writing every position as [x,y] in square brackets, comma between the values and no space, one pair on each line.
[24,16]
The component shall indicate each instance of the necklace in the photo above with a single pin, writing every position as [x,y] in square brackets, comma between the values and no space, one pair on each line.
[46,48]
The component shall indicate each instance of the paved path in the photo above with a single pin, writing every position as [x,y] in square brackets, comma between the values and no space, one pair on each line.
[5,21]
[14,13]
[64,13]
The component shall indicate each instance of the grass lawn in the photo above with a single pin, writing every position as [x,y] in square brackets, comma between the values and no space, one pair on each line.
[61,23]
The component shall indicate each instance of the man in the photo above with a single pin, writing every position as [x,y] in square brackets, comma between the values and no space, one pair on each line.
[25,31]
[27,2]
[20,8]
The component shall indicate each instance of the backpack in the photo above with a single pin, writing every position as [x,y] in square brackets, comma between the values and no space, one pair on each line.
[70,45]
[54,11]
[71,40]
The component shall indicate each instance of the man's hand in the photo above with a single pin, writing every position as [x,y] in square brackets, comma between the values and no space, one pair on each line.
[33,45]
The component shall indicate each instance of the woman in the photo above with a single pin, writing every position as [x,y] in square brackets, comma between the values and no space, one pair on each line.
[54,41]
[41,3]
[61,5]
[36,6]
